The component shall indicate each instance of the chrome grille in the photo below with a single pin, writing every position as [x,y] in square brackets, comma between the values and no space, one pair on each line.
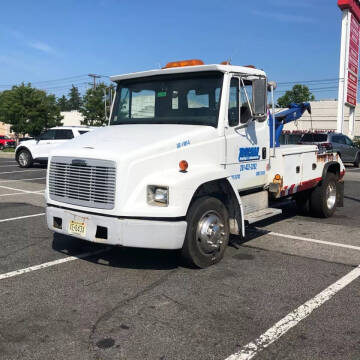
[84,182]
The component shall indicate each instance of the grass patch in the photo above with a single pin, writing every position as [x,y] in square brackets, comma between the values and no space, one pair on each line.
[9,150]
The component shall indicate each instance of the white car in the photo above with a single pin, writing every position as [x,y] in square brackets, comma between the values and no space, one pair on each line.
[38,150]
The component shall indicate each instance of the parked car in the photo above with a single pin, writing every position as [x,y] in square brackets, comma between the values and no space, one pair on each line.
[6,142]
[38,149]
[340,143]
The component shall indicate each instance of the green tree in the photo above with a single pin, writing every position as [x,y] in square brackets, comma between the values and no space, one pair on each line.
[298,94]
[63,103]
[93,106]
[74,102]
[29,110]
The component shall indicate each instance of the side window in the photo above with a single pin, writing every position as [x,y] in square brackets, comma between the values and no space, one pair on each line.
[339,139]
[48,135]
[245,95]
[63,134]
[82,132]
[348,141]
[233,112]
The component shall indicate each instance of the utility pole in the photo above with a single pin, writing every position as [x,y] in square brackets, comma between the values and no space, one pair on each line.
[94,76]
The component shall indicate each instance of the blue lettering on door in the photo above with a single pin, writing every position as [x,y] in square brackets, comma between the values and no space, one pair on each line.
[249,154]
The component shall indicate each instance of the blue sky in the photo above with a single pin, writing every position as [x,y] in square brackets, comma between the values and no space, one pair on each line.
[292,40]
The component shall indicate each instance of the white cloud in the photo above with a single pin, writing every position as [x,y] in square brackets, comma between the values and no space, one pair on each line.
[38,45]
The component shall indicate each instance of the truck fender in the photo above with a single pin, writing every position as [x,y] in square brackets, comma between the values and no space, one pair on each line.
[240,216]
[332,166]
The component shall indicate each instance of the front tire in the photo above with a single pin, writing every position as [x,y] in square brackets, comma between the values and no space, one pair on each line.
[24,158]
[207,234]
[324,196]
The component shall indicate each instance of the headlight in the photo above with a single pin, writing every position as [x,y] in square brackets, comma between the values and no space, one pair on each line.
[158,195]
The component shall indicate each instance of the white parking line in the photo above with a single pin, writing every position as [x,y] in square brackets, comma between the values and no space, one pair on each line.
[311,240]
[40,192]
[7,165]
[20,171]
[15,189]
[5,181]
[289,321]
[51,263]
[21,217]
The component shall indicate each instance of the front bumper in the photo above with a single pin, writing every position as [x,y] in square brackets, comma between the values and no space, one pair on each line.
[152,234]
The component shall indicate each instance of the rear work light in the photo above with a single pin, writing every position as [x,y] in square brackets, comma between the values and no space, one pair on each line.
[182,63]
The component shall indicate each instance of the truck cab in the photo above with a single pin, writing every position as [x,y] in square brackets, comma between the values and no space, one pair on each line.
[189,157]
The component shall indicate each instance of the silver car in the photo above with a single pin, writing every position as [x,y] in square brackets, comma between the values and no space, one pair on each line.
[340,143]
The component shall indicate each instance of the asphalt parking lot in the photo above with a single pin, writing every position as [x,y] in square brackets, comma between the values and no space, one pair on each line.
[62,298]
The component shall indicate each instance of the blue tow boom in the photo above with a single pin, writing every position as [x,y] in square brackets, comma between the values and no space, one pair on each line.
[294,112]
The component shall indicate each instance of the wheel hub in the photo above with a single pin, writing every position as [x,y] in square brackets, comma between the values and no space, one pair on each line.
[210,232]
[331,196]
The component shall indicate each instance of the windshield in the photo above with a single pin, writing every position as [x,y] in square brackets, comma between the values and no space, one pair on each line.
[189,99]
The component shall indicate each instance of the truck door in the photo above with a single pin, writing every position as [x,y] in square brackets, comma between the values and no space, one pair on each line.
[247,133]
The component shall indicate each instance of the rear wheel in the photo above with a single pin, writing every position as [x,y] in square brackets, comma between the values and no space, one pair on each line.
[2,146]
[323,198]
[24,158]
[207,233]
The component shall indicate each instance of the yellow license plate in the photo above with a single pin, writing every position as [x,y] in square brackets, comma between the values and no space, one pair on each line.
[77,228]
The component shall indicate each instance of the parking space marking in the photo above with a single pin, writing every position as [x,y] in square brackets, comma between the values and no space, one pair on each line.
[13,172]
[51,263]
[21,217]
[8,165]
[15,189]
[309,240]
[39,178]
[289,321]
[40,192]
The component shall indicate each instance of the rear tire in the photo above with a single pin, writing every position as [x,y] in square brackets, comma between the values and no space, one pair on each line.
[24,158]
[324,196]
[207,233]
[2,146]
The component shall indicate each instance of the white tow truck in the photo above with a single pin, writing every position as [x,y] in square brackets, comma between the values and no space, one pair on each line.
[189,158]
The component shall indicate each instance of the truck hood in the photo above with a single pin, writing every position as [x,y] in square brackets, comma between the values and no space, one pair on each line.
[123,141]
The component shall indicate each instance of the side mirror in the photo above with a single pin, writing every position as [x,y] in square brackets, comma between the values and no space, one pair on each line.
[260,99]
[271,84]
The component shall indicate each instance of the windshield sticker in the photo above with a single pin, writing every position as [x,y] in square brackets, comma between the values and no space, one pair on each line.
[161,94]
[182,144]
[249,154]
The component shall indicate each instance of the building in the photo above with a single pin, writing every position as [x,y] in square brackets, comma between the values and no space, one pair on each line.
[323,117]
[5,129]
[71,118]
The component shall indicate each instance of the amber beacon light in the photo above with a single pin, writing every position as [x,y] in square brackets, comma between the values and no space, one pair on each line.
[183,63]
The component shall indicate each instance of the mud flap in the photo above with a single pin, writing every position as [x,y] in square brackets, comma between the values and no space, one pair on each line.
[340,194]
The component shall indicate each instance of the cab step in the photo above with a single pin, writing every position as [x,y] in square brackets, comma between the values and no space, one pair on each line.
[261,215]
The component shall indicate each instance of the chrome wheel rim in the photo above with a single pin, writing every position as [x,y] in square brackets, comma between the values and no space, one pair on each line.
[210,232]
[331,196]
[23,158]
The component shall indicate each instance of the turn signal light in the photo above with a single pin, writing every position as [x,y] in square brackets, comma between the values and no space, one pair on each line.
[182,63]
[183,165]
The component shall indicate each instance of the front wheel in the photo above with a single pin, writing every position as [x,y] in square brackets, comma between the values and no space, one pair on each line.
[24,159]
[207,233]
[324,196]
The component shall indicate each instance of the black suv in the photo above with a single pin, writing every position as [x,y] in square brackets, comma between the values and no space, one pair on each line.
[340,143]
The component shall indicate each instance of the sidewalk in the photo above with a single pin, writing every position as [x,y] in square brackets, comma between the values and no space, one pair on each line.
[7,155]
